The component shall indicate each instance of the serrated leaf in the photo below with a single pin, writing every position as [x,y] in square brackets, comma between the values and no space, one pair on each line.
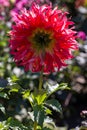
[39,115]
[54,104]
[40,98]
[53,88]
[2,108]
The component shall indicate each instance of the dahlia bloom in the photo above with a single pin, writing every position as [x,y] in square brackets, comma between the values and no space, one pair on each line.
[42,38]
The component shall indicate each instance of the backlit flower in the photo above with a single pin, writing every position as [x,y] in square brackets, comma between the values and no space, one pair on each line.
[42,38]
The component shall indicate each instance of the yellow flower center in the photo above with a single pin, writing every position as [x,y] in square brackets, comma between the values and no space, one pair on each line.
[42,41]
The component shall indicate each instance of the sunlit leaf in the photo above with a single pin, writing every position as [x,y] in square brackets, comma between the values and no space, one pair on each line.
[2,108]
[54,104]
[14,88]
[31,99]
[4,126]
[49,124]
[31,116]
[14,78]
[48,111]
[53,88]
[40,98]
[26,94]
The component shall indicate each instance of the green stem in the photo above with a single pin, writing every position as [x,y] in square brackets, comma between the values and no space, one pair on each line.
[41,80]
[35,125]
[40,88]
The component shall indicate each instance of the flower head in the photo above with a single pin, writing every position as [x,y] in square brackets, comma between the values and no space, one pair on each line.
[42,38]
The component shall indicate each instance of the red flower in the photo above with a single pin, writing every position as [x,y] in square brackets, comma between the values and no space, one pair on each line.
[42,38]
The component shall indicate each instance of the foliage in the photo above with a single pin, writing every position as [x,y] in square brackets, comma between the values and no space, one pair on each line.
[40,103]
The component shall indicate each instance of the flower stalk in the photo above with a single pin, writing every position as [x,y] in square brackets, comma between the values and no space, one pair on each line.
[41,80]
[35,125]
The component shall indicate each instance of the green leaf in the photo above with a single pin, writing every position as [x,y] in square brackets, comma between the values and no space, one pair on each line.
[15,124]
[14,78]
[4,126]
[1,89]
[14,88]
[54,104]
[40,98]
[2,108]
[53,88]
[39,115]
[49,123]
[63,86]
[26,94]
[4,95]
[31,99]
[48,111]
[37,98]
[31,115]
